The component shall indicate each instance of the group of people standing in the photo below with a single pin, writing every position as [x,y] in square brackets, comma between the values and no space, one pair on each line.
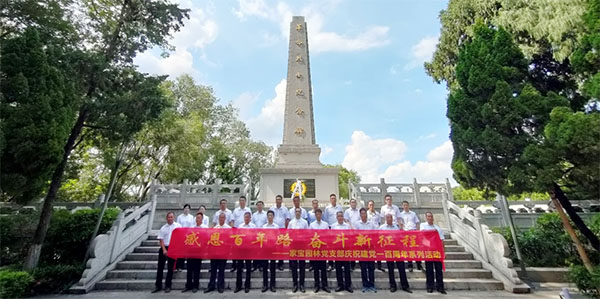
[390,217]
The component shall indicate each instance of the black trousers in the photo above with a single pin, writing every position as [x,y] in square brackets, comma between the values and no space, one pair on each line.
[193,273]
[391,267]
[180,264]
[269,266]
[161,266]
[217,269]
[295,266]
[342,274]
[409,264]
[319,267]
[429,275]
[367,274]
[240,269]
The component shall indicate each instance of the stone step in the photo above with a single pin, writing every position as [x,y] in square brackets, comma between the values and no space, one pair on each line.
[152,256]
[284,285]
[151,274]
[152,265]
[156,243]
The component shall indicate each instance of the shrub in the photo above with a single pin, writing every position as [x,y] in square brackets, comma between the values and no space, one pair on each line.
[55,278]
[14,284]
[15,236]
[587,283]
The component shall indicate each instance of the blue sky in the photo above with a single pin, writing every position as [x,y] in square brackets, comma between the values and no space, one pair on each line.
[376,111]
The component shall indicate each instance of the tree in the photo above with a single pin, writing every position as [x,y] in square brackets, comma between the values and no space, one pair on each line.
[36,113]
[112,32]
[586,57]
[494,112]
[344,177]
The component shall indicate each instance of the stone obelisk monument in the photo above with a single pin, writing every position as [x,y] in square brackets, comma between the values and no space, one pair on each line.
[298,155]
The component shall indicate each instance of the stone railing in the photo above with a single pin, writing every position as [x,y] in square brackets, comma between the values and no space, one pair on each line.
[486,246]
[524,213]
[71,206]
[106,250]
[417,194]
[177,195]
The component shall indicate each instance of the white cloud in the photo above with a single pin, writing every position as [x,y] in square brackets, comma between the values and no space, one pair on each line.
[199,31]
[244,102]
[319,40]
[268,125]
[326,151]
[368,156]
[384,158]
[422,52]
[429,136]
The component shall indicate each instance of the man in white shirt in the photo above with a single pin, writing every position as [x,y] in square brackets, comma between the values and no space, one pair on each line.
[434,265]
[269,265]
[185,220]
[222,210]
[389,208]
[330,216]
[282,218]
[311,214]
[259,218]
[217,266]
[206,218]
[410,221]
[298,223]
[391,265]
[375,219]
[367,268]
[296,202]
[237,218]
[247,263]
[193,270]
[342,268]
[319,266]
[352,214]
[164,236]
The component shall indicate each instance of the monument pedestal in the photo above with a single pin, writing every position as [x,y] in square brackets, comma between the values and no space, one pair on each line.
[272,184]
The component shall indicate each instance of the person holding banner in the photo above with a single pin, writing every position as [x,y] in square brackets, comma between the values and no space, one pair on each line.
[282,218]
[330,216]
[164,236]
[391,225]
[352,215]
[193,270]
[259,218]
[269,265]
[375,219]
[241,263]
[367,268]
[410,221]
[217,266]
[298,223]
[185,220]
[430,266]
[319,266]
[342,268]
[237,218]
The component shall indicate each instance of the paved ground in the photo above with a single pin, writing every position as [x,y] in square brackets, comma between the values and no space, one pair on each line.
[543,294]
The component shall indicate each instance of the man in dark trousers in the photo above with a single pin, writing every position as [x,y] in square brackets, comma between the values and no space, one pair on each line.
[269,265]
[342,268]
[298,267]
[217,266]
[244,264]
[320,266]
[164,236]
[193,270]
[434,265]
[390,225]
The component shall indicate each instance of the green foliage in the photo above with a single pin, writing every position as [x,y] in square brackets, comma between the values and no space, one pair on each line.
[344,177]
[586,282]
[461,193]
[14,284]
[586,58]
[51,279]
[494,113]
[36,111]
[67,238]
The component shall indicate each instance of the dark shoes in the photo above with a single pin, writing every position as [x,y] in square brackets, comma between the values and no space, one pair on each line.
[392,289]
[280,267]
[407,290]
[349,290]
[381,269]
[156,290]
[429,290]
[419,267]
[194,290]
[220,290]
[167,290]
[442,291]
[246,289]
[339,289]
[301,288]
[317,289]
[295,289]
[208,290]
[237,289]
[185,290]
[264,289]
[326,290]
[273,289]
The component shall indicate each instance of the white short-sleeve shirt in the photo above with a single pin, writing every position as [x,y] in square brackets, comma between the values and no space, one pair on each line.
[426,226]
[363,225]
[298,224]
[409,220]
[303,213]
[165,232]
[238,215]
[219,212]
[337,225]
[330,213]
[389,227]
[319,225]
[281,214]
[385,209]
[271,226]
[259,219]
[374,218]
[352,216]
[249,225]
[186,220]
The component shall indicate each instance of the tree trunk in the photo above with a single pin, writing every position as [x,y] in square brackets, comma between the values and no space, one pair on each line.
[564,201]
[33,255]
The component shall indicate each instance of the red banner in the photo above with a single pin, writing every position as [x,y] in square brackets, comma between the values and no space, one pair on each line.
[306,244]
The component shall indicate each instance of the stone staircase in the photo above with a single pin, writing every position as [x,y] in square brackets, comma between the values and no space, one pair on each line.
[138,272]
